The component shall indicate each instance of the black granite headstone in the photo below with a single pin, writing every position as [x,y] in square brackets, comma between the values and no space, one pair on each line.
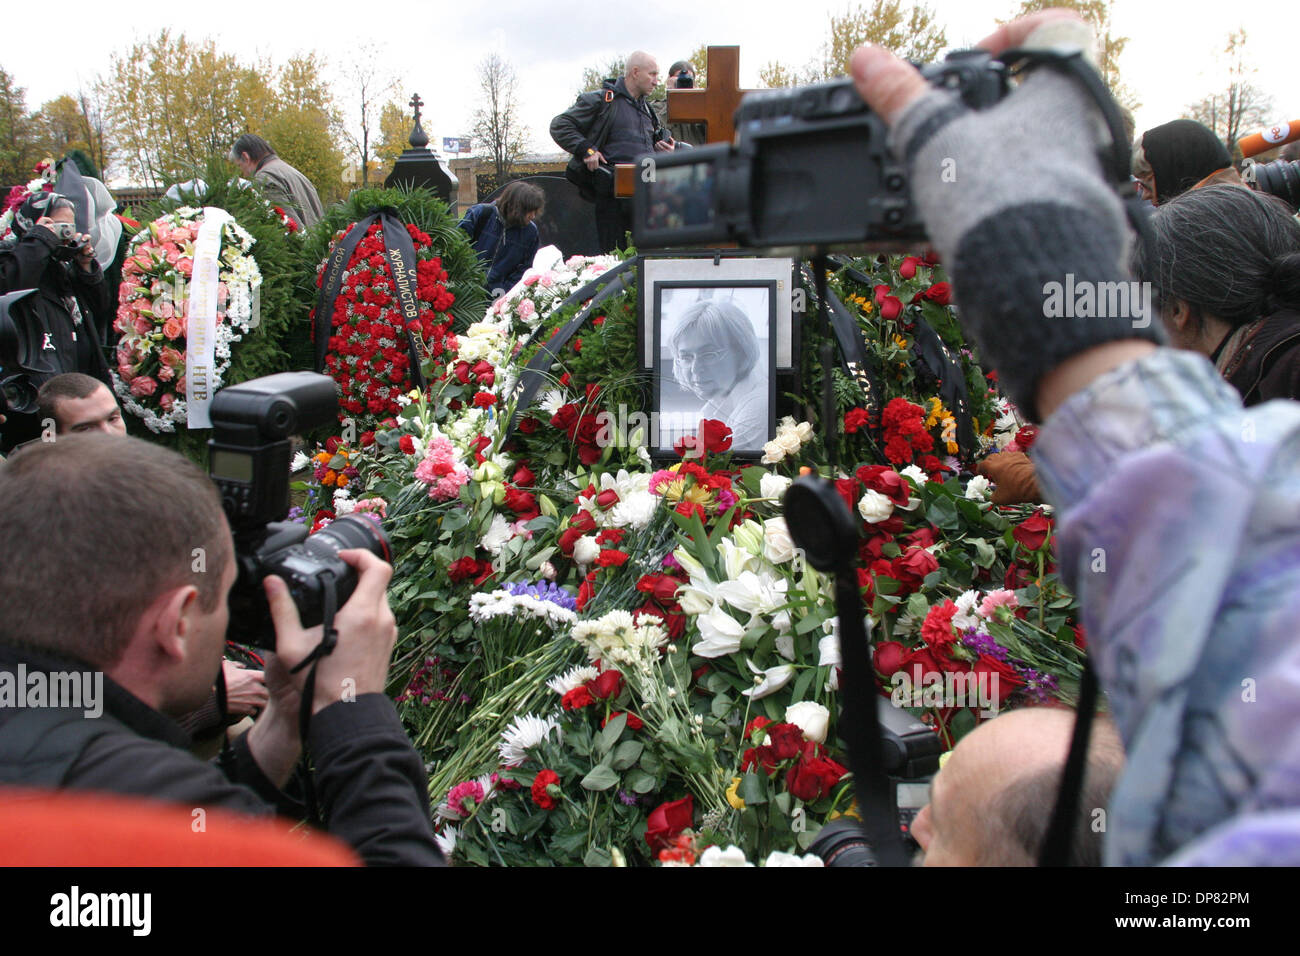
[568,222]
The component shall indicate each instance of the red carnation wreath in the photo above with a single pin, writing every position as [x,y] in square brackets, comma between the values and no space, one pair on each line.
[368,355]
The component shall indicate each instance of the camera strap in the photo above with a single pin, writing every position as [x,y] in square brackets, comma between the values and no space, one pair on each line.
[329,640]
[1056,843]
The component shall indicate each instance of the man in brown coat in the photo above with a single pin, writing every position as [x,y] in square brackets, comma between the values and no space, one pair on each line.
[284,186]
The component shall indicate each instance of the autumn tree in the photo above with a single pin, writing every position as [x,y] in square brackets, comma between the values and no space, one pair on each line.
[303,125]
[59,127]
[909,33]
[1109,46]
[1239,109]
[775,75]
[497,129]
[16,146]
[594,76]
[395,126]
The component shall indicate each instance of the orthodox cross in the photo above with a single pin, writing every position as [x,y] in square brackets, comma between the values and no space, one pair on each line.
[419,139]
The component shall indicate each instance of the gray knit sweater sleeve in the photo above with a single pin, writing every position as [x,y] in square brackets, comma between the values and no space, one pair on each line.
[1035,239]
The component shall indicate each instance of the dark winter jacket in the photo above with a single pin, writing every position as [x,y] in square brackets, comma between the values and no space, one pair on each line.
[608,120]
[369,779]
[64,318]
[504,251]
[1267,364]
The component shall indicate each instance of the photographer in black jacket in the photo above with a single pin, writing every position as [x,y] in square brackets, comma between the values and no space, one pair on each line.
[51,257]
[122,598]
[615,124]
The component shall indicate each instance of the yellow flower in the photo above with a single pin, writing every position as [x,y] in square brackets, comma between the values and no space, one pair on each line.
[850,811]
[732,797]
[901,342]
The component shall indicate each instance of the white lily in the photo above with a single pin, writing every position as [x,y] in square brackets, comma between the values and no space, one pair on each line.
[772,679]
[753,593]
[722,634]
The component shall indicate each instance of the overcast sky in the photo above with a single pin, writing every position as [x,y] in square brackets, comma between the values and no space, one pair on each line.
[1171,58]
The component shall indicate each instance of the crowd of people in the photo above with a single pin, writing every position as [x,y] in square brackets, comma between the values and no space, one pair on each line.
[1171,446]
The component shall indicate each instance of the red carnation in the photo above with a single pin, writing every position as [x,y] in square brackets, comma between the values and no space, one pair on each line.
[785,740]
[937,629]
[577,698]
[856,419]
[407,444]
[758,723]
[541,797]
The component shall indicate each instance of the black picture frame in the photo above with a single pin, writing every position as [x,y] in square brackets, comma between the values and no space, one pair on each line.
[671,402]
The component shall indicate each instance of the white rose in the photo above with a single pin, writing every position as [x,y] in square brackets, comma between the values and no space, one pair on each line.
[875,507]
[778,546]
[788,442]
[978,489]
[772,453]
[804,431]
[586,550]
[810,717]
[716,856]
[773,486]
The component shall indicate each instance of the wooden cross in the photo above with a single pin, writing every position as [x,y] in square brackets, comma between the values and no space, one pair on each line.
[714,105]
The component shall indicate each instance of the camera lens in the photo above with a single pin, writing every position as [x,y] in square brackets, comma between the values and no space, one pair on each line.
[842,843]
[1281,179]
[350,531]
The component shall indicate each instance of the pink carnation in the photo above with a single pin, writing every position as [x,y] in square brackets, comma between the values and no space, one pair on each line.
[471,790]
[526,309]
[997,599]
[441,471]
[167,401]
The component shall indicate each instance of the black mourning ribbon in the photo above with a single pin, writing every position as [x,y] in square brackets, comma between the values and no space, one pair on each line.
[399,255]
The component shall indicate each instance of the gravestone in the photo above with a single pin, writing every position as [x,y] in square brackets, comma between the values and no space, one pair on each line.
[421,166]
[566,222]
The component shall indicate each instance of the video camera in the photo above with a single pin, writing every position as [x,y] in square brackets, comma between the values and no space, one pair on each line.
[810,170]
[249,463]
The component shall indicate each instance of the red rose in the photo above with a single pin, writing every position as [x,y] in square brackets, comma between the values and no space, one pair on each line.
[911,568]
[567,540]
[566,418]
[586,591]
[461,371]
[577,698]
[889,657]
[522,503]
[886,481]
[937,629]
[667,820]
[716,436]
[608,685]
[523,477]
[891,307]
[1008,679]
[918,664]
[1080,637]
[786,740]
[923,537]
[540,795]
[661,587]
[461,569]
[758,723]
[813,776]
[908,267]
[1033,531]
[583,521]
[764,757]
[855,419]
[407,444]
[849,491]
[940,293]
[527,425]
[607,498]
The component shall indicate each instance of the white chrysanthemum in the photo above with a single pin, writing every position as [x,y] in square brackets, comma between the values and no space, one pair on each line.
[966,617]
[523,734]
[552,400]
[572,679]
[343,502]
[446,841]
[300,461]
[919,478]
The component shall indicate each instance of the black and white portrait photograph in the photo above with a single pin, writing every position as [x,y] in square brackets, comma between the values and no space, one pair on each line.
[715,361]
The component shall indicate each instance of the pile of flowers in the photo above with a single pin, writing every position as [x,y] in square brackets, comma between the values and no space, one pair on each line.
[368,353]
[153,306]
[542,288]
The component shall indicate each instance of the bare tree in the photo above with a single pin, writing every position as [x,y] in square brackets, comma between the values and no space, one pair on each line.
[1242,107]
[497,128]
[371,88]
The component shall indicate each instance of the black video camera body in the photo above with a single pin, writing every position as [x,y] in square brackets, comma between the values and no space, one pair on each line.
[810,170]
[249,463]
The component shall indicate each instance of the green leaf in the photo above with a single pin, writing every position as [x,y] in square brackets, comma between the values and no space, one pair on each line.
[597,857]
[600,778]
[918,606]
[626,754]
[985,555]
[638,781]
[752,789]
[943,514]
[802,683]
[609,736]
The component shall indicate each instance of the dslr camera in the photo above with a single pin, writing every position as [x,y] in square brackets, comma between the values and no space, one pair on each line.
[810,170]
[248,460]
[22,365]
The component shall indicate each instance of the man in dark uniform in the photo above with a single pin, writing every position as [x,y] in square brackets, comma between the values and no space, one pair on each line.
[612,125]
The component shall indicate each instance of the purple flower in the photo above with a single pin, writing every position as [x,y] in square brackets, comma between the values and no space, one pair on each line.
[543,591]
[627,799]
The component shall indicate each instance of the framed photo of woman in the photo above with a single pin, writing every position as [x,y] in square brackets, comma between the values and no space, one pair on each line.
[715,359]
